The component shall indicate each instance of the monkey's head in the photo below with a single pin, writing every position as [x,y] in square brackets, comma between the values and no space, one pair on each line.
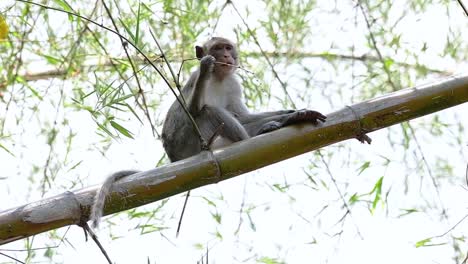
[224,51]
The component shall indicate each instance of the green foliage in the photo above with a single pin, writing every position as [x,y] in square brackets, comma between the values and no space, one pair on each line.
[423,242]
[268,260]
[375,196]
[363,167]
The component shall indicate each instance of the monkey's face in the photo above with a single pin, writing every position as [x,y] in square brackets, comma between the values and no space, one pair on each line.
[225,54]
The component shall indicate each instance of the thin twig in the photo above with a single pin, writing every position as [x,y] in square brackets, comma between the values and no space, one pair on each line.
[144,107]
[466,13]
[394,88]
[219,18]
[452,228]
[180,68]
[429,170]
[60,73]
[466,259]
[174,77]
[466,175]
[129,42]
[31,249]
[376,48]
[241,210]
[345,203]
[18,57]
[182,213]
[210,142]
[87,229]
[283,85]
[10,257]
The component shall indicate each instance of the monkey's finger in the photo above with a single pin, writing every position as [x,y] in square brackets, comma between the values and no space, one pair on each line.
[322,118]
[319,116]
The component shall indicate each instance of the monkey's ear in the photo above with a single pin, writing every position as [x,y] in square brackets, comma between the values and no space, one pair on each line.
[199,51]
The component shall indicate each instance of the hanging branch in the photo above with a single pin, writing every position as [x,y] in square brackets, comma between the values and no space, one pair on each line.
[123,38]
[88,65]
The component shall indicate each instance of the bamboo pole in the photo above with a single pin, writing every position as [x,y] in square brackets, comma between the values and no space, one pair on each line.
[211,167]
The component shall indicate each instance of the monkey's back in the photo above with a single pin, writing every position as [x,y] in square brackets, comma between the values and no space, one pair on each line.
[179,137]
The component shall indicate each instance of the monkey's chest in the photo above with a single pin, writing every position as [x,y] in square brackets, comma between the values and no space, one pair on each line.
[215,95]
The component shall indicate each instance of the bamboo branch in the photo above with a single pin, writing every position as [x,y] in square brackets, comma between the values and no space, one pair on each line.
[156,184]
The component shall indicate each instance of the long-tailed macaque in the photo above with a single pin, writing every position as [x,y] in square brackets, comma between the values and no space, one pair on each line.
[214,99]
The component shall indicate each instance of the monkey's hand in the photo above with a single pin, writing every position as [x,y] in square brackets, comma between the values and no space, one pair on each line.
[305,115]
[207,64]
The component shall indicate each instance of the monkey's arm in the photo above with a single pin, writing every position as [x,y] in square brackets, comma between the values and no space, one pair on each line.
[206,67]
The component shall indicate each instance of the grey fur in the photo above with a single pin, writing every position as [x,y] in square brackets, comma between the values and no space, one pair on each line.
[214,99]
[100,197]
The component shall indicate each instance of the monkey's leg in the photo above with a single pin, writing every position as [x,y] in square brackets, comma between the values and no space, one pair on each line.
[270,123]
[266,124]
[253,117]
[268,127]
[286,117]
[211,117]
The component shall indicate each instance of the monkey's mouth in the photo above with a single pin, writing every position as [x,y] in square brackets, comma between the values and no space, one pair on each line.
[227,64]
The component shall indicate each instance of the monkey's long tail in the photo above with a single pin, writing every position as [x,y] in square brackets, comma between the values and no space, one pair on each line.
[100,197]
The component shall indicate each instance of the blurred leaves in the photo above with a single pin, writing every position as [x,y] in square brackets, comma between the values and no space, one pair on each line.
[3,28]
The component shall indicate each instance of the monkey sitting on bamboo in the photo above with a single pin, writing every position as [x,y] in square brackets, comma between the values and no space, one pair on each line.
[213,97]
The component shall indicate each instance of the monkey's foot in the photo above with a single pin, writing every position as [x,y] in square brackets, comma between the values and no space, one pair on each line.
[363,138]
[305,115]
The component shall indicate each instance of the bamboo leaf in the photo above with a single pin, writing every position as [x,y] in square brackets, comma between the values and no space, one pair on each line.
[121,129]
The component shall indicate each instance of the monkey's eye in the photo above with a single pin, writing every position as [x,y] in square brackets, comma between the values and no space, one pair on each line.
[218,47]
[228,47]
